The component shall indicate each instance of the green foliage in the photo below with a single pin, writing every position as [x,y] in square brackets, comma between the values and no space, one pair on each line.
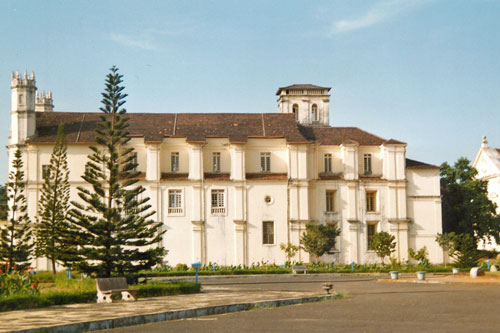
[383,244]
[156,288]
[62,282]
[290,250]
[465,204]
[15,241]
[319,239]
[464,250]
[445,241]
[421,256]
[181,267]
[116,234]
[19,302]
[46,299]
[53,238]
[3,203]
[18,283]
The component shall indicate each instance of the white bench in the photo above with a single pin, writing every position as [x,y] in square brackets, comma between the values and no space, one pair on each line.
[297,268]
[107,286]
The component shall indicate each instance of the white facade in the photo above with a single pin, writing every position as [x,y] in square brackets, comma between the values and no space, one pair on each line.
[234,202]
[487,164]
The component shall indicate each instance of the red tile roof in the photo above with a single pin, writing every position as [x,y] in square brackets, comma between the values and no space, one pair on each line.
[197,127]
[326,135]
[412,164]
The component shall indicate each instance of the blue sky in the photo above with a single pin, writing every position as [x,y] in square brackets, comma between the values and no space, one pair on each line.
[426,72]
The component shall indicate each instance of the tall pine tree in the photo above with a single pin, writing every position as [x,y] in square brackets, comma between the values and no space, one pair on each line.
[116,235]
[53,239]
[15,243]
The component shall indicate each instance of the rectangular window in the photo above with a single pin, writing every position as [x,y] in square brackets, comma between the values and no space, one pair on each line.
[328,162]
[367,164]
[218,206]
[265,162]
[45,171]
[216,162]
[371,229]
[330,201]
[174,162]
[134,161]
[268,232]
[175,202]
[371,201]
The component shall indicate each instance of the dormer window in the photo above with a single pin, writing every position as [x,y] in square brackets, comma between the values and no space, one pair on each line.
[367,164]
[265,162]
[314,113]
[216,162]
[328,163]
[174,161]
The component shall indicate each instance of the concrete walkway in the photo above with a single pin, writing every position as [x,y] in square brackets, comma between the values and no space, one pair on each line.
[84,317]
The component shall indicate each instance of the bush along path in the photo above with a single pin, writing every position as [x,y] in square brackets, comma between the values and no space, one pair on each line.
[58,296]
[314,268]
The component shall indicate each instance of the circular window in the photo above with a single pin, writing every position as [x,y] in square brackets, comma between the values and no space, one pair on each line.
[268,199]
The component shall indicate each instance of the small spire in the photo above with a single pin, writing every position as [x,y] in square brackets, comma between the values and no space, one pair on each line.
[484,143]
[13,75]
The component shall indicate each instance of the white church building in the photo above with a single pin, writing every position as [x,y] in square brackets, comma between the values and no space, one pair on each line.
[487,164]
[230,188]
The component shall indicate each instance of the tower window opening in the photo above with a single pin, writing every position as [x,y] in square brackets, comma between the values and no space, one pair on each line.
[314,113]
[295,111]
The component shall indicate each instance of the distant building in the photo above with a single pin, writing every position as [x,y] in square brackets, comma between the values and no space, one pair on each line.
[229,188]
[487,164]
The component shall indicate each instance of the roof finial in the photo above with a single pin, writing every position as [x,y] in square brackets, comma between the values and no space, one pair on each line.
[484,144]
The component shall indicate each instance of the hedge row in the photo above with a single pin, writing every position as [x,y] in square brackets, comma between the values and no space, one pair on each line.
[288,270]
[20,302]
[151,289]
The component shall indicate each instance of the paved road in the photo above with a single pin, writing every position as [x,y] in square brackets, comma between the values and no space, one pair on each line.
[370,307]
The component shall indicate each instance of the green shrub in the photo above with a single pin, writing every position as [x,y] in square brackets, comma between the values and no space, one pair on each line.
[181,268]
[18,283]
[156,288]
[19,302]
[421,256]
[87,284]
[151,289]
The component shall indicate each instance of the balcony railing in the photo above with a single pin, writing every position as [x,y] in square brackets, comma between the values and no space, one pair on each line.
[218,210]
[175,210]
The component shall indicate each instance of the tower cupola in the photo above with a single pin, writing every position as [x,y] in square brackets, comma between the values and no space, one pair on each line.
[309,103]
[44,102]
[23,89]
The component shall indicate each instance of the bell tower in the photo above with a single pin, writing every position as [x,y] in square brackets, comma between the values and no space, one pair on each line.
[309,103]
[22,112]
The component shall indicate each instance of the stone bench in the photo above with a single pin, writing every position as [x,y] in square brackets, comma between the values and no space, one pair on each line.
[298,268]
[108,286]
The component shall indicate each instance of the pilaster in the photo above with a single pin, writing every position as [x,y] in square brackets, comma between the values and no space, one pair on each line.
[198,253]
[399,228]
[240,243]
[354,240]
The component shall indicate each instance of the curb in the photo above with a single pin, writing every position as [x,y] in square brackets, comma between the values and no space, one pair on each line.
[174,315]
[256,276]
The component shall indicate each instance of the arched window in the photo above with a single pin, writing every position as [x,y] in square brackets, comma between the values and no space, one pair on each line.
[314,113]
[295,110]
